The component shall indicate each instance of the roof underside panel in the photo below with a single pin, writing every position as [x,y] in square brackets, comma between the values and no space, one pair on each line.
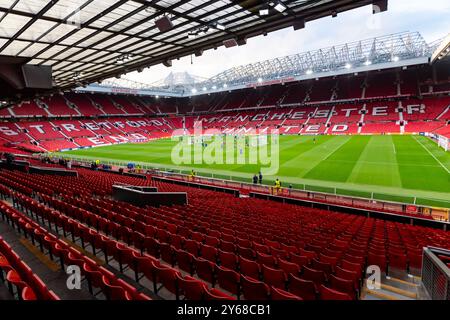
[89,40]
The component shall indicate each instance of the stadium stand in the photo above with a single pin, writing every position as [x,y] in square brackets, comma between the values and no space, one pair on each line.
[245,248]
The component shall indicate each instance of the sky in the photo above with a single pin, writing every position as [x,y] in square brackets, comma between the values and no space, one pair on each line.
[430,18]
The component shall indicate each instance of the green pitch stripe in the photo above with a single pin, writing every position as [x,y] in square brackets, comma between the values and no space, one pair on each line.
[377,164]
[301,164]
[418,169]
[338,165]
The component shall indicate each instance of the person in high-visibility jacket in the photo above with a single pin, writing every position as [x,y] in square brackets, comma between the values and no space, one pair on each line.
[278,185]
[192,175]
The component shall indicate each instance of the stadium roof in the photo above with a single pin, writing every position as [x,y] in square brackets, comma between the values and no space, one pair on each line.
[85,41]
[385,52]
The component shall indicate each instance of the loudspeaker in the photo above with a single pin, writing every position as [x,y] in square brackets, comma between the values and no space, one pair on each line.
[241,42]
[379,6]
[37,77]
[299,24]
[164,24]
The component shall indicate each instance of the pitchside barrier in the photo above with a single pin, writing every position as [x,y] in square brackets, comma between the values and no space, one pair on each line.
[435,273]
[354,198]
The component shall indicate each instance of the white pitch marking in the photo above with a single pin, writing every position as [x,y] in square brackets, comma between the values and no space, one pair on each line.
[445,168]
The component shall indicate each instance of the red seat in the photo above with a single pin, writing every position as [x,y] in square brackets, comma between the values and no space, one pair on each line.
[289,267]
[323,266]
[414,261]
[192,247]
[274,277]
[316,276]
[227,246]
[299,260]
[28,294]
[377,260]
[343,285]
[228,260]
[167,277]
[212,241]
[185,261]
[93,277]
[330,294]
[144,264]
[278,294]
[265,259]
[229,280]
[246,252]
[249,268]
[167,253]
[205,270]
[191,288]
[208,253]
[114,292]
[215,294]
[197,236]
[306,253]
[349,275]
[350,266]
[397,261]
[305,289]
[254,290]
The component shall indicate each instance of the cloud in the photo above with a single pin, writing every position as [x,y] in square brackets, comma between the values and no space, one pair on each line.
[428,17]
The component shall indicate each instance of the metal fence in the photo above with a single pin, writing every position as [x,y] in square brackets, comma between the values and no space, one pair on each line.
[435,274]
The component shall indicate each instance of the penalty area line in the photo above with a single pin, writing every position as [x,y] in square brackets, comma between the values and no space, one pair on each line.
[442,165]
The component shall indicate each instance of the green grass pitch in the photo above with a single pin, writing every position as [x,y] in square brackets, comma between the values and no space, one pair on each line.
[396,168]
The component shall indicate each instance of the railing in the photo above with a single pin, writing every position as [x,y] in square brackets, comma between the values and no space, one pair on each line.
[435,274]
[321,197]
[374,201]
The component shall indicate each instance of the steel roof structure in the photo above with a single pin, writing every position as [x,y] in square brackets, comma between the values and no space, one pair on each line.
[85,41]
[389,51]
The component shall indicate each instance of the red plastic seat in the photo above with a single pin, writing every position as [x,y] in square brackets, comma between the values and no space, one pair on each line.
[299,260]
[265,259]
[397,261]
[278,294]
[330,294]
[343,285]
[377,260]
[350,266]
[246,252]
[249,268]
[28,294]
[212,241]
[349,275]
[167,253]
[114,292]
[227,246]
[316,276]
[305,289]
[192,247]
[229,280]
[228,260]
[274,277]
[191,288]
[167,277]
[208,253]
[289,267]
[215,294]
[205,270]
[185,261]
[322,266]
[254,290]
